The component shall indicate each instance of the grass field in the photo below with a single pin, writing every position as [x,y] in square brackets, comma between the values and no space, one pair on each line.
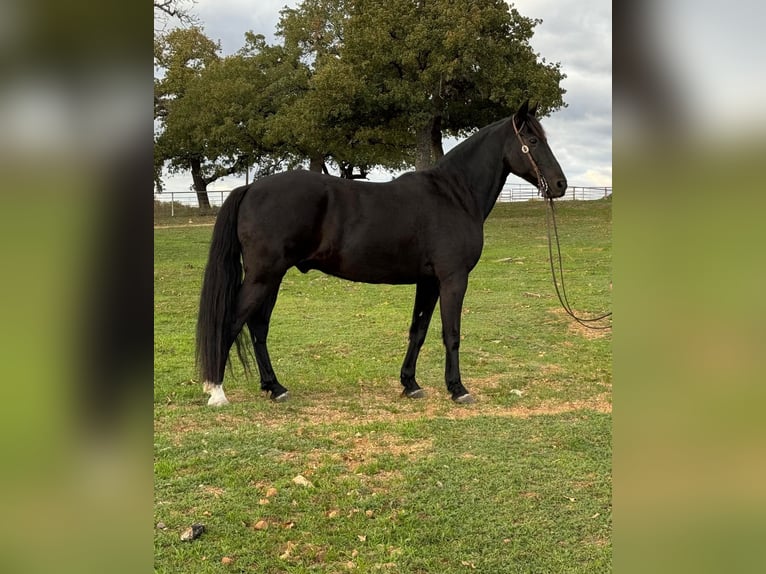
[518,482]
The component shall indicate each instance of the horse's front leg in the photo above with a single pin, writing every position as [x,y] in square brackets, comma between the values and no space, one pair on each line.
[451,293]
[426,295]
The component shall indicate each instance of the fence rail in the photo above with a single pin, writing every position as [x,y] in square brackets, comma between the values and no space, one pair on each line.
[510,192]
[522,192]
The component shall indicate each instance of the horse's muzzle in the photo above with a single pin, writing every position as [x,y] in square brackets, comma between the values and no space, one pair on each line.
[558,189]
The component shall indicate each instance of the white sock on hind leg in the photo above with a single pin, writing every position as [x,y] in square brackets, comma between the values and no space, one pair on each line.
[217,396]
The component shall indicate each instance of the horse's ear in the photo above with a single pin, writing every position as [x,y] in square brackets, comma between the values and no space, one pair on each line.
[533,110]
[523,110]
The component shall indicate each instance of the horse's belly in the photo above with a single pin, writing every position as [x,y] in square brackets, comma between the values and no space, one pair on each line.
[368,249]
[391,268]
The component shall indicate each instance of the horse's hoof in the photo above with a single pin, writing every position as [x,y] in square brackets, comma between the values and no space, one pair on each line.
[280,398]
[416,394]
[217,396]
[217,401]
[465,399]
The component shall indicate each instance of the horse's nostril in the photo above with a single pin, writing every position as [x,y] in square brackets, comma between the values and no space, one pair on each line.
[561,184]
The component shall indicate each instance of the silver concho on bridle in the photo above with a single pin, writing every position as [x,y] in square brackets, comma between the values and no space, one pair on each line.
[542,184]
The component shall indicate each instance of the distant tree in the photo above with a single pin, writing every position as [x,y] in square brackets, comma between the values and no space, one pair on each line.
[354,84]
[394,75]
[334,121]
[181,56]
[276,80]
[220,115]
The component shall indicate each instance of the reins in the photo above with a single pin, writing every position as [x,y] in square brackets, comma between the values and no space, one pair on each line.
[551,223]
[562,293]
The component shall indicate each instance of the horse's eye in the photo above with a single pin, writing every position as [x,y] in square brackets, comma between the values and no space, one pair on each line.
[533,141]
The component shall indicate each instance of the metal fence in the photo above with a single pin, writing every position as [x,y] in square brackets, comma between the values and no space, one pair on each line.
[510,192]
[524,192]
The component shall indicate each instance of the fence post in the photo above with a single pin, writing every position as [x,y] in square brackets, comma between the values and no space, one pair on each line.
[172,205]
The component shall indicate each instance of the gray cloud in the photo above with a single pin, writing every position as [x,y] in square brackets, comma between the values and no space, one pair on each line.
[228,20]
[578,35]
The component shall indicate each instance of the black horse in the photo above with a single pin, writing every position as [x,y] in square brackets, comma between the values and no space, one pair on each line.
[425,227]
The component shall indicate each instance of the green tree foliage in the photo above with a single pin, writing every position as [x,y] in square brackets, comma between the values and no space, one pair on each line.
[354,84]
[337,119]
[217,114]
[398,74]
[239,99]
[182,55]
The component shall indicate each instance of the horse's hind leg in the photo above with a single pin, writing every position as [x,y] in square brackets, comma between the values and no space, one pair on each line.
[426,295]
[258,324]
[215,390]
[252,299]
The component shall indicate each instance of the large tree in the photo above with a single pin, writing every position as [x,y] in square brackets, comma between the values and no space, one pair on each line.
[181,57]
[220,115]
[335,120]
[355,83]
[393,73]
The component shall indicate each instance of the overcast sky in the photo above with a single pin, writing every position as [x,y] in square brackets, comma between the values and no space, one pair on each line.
[576,33]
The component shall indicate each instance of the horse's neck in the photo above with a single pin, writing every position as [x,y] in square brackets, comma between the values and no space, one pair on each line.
[481,167]
[489,194]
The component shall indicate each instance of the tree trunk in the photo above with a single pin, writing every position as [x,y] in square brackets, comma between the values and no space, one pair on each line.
[316,163]
[423,149]
[429,144]
[200,186]
[437,151]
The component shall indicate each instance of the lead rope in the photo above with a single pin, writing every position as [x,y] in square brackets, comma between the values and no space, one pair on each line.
[551,220]
[562,294]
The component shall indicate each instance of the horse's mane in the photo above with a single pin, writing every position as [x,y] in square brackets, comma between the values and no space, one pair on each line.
[467,144]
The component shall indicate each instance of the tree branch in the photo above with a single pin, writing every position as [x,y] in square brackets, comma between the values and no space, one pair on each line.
[176,9]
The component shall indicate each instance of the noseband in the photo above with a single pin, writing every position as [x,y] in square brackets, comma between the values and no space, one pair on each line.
[542,184]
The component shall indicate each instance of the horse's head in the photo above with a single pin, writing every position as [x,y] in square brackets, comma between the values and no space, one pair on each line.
[528,155]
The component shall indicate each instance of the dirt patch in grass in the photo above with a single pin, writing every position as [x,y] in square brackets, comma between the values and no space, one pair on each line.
[576,328]
[215,491]
[374,406]
[599,403]
[483,383]
[366,448]
[551,369]
[598,541]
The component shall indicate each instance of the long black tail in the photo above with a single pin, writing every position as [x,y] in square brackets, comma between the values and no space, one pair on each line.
[220,286]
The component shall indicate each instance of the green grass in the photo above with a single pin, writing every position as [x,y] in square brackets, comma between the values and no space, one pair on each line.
[179,213]
[510,484]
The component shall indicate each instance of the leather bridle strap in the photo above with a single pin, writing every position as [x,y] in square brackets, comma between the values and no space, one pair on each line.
[542,185]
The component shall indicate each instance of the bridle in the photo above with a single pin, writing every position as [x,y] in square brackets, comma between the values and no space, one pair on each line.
[554,232]
[542,184]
